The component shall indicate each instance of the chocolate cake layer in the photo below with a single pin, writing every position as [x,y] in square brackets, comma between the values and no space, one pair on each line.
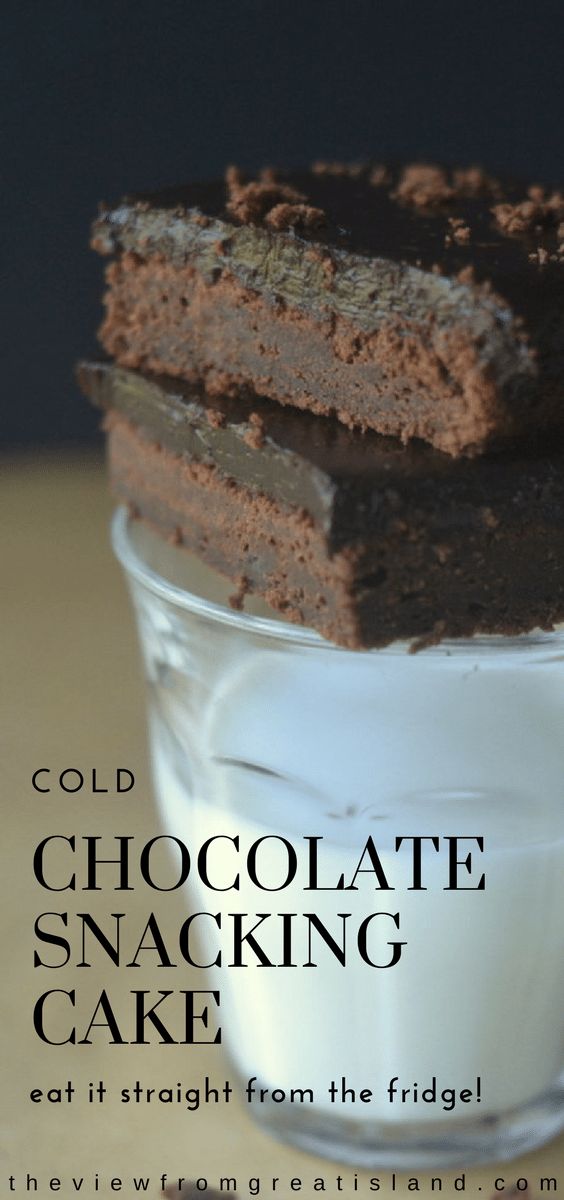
[417,303]
[362,539]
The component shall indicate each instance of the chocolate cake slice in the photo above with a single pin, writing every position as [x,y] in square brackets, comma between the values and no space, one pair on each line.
[357,536]
[418,303]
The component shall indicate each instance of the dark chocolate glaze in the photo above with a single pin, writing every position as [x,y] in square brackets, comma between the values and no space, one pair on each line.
[355,486]
[366,220]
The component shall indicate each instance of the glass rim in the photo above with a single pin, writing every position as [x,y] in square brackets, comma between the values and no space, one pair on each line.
[136,567]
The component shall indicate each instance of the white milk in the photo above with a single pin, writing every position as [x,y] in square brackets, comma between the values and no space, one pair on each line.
[349,746]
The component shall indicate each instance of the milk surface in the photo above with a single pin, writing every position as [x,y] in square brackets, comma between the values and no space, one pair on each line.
[252,740]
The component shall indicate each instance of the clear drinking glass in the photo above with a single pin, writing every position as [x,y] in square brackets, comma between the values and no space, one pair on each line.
[263,730]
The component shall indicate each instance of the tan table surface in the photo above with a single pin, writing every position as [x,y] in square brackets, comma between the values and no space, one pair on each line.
[72,696]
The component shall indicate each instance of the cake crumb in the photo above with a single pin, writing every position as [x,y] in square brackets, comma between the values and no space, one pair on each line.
[428,185]
[474,182]
[215,418]
[290,216]
[517,218]
[220,383]
[251,202]
[538,211]
[460,231]
[277,204]
[423,186]
[254,435]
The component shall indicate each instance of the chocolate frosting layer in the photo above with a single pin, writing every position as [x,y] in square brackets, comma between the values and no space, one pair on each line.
[361,219]
[341,477]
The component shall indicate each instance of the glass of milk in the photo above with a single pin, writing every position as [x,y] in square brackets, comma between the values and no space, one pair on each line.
[437,1036]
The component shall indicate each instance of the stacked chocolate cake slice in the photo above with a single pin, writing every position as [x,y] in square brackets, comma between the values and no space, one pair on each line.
[343,389]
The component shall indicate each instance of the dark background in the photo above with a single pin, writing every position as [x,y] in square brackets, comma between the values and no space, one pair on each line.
[103,96]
